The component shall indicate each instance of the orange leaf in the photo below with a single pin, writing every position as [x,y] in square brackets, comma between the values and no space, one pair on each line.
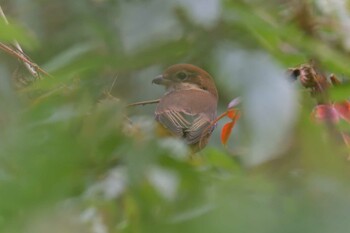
[226,132]
[227,129]
[231,113]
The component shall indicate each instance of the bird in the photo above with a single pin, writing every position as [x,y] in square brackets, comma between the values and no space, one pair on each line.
[189,105]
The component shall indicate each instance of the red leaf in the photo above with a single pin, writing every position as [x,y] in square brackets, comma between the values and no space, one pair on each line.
[325,112]
[231,113]
[332,112]
[226,132]
[227,129]
[343,110]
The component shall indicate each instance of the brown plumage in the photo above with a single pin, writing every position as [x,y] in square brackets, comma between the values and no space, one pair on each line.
[189,105]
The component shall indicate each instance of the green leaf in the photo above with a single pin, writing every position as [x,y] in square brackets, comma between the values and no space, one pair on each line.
[340,92]
[12,32]
[68,56]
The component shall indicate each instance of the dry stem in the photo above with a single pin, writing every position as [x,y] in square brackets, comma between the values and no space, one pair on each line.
[18,52]
[144,103]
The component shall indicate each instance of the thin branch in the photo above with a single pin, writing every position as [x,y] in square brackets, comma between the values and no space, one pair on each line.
[143,103]
[22,57]
[31,67]
[114,81]
[107,93]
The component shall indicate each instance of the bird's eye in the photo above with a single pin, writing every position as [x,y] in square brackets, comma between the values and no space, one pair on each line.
[181,75]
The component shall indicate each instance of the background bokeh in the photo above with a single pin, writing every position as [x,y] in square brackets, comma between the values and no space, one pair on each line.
[74,158]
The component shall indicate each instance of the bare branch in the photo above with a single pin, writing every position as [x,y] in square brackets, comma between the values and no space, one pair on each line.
[114,81]
[31,67]
[22,57]
[143,103]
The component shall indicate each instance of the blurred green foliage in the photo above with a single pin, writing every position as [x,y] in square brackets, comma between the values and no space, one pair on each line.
[74,158]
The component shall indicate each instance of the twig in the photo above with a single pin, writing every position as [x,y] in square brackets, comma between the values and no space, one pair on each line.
[107,93]
[143,103]
[31,67]
[113,83]
[22,57]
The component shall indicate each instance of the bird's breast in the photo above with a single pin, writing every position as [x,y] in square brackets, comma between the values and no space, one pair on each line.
[191,101]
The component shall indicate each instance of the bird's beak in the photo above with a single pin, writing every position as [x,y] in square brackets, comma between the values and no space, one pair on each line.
[159,80]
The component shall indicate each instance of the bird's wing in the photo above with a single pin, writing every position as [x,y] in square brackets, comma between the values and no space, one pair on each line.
[199,128]
[185,125]
[175,120]
[185,116]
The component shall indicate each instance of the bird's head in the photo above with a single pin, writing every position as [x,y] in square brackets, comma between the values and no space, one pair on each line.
[186,76]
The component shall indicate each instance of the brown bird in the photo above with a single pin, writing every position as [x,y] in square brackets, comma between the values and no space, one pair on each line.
[189,105]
